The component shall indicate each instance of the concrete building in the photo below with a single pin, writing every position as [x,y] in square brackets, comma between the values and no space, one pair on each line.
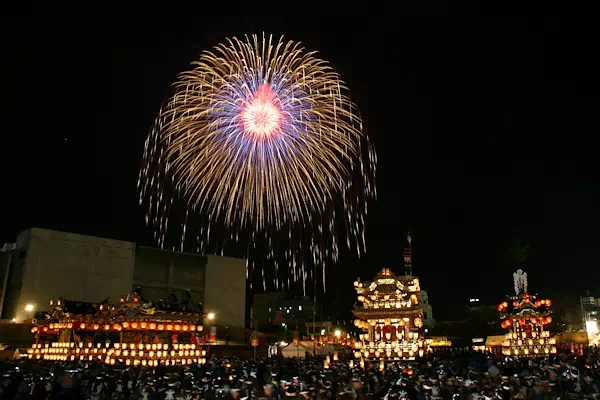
[274,309]
[46,264]
[428,320]
[590,307]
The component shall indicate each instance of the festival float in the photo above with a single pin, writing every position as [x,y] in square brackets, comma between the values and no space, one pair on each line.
[134,332]
[526,316]
[389,314]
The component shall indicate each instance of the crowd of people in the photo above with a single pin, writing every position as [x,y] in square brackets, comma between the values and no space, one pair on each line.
[444,375]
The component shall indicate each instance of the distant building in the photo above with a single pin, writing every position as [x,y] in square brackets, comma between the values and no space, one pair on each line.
[274,309]
[590,307]
[481,312]
[428,320]
[322,328]
[47,264]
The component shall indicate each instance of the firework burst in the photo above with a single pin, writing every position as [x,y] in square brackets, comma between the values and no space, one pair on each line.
[253,154]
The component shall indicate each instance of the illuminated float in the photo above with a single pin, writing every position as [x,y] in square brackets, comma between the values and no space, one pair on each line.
[526,316]
[389,314]
[134,332]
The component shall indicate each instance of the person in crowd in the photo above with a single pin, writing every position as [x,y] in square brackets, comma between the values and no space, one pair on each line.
[448,375]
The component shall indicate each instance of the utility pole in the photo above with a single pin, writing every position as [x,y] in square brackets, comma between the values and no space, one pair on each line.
[582,312]
[315,300]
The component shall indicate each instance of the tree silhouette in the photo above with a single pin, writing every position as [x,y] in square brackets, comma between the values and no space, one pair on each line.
[516,253]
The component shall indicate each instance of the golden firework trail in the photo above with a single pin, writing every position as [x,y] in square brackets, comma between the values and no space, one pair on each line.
[255,150]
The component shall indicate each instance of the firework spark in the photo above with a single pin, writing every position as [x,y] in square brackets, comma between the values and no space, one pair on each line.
[261,142]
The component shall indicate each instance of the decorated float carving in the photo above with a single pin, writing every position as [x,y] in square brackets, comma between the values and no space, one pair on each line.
[526,318]
[133,332]
[391,318]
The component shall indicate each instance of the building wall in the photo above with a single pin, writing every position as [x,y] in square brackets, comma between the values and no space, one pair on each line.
[73,266]
[159,272]
[50,264]
[225,290]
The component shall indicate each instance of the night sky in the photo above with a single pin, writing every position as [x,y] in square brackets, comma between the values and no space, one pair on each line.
[484,130]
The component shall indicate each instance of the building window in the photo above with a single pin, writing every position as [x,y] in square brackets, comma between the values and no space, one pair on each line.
[425,315]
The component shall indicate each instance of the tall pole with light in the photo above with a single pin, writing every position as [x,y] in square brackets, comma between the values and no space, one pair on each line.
[211,317]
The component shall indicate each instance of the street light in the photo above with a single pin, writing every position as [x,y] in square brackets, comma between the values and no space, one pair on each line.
[338,333]
[211,316]
[29,307]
